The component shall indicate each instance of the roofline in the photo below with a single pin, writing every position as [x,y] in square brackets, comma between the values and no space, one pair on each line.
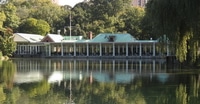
[101,42]
[22,37]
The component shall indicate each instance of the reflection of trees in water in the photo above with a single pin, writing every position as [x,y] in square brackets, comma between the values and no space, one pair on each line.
[100,93]
[108,93]
[7,92]
[141,90]
[194,90]
[7,71]
[181,94]
[2,94]
[12,95]
[135,93]
[36,88]
[194,85]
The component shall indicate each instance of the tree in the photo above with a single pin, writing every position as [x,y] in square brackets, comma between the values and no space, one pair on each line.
[7,46]
[100,15]
[53,14]
[132,19]
[35,26]
[12,20]
[180,21]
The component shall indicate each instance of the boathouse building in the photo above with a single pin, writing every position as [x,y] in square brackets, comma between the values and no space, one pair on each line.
[104,45]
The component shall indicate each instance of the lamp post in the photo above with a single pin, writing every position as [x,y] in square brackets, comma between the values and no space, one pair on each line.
[70,28]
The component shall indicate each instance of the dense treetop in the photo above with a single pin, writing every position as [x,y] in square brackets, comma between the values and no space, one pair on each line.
[97,16]
[179,20]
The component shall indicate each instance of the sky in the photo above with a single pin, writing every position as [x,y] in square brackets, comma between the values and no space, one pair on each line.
[69,2]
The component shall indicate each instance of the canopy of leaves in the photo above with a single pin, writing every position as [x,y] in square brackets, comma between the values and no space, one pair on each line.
[96,15]
[132,18]
[7,46]
[35,26]
[52,14]
[12,20]
[101,16]
[179,20]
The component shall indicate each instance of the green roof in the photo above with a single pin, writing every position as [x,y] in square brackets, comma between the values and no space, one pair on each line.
[110,37]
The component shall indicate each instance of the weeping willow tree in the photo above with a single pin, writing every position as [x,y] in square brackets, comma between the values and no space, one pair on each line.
[180,21]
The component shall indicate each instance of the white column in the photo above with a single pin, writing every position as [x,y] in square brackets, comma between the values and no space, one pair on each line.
[74,49]
[49,49]
[126,49]
[61,49]
[113,49]
[140,49]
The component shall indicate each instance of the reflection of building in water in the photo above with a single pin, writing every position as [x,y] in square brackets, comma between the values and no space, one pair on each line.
[50,65]
[99,70]
[28,77]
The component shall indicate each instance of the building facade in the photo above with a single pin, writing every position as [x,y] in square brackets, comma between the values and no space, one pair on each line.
[104,45]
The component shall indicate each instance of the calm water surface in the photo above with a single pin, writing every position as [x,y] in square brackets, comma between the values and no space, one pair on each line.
[67,81]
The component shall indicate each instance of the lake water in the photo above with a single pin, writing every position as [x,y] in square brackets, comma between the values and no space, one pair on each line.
[82,81]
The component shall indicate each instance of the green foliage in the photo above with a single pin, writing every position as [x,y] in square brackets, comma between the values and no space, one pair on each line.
[12,20]
[7,71]
[2,18]
[96,16]
[101,16]
[35,26]
[7,46]
[179,19]
[132,19]
[52,14]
